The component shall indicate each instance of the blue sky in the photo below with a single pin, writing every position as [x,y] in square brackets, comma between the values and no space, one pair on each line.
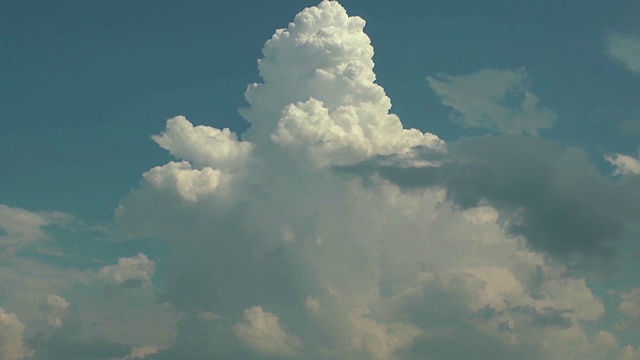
[525,146]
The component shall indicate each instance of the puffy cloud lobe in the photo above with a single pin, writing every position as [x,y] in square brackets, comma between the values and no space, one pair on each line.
[57,301]
[338,137]
[262,331]
[204,146]
[624,164]
[212,161]
[12,344]
[626,49]
[138,270]
[499,100]
[190,184]
[57,306]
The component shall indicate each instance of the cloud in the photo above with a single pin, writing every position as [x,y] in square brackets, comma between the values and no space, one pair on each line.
[141,352]
[22,227]
[629,307]
[498,100]
[624,164]
[441,252]
[137,270]
[551,195]
[66,343]
[628,353]
[56,306]
[65,313]
[56,301]
[625,48]
[631,127]
[203,145]
[262,331]
[12,342]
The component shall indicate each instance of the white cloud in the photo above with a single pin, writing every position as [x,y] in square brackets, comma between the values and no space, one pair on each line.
[319,96]
[353,270]
[630,305]
[12,344]
[203,145]
[191,184]
[22,227]
[626,49]
[262,331]
[138,269]
[624,164]
[56,307]
[499,100]
[57,301]
[141,352]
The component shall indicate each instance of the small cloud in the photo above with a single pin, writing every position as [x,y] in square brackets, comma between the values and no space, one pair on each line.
[20,228]
[624,164]
[262,331]
[498,100]
[138,270]
[630,307]
[631,127]
[12,346]
[56,301]
[625,48]
[56,307]
[628,353]
[141,352]
[54,321]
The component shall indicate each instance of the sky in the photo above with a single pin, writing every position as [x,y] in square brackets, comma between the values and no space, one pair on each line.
[336,180]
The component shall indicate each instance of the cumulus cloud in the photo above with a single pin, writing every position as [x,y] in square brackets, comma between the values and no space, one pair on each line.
[203,145]
[12,342]
[624,164]
[263,332]
[442,252]
[629,307]
[56,306]
[625,48]
[133,270]
[498,100]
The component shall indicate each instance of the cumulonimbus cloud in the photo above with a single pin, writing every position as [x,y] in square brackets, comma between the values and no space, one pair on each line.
[297,260]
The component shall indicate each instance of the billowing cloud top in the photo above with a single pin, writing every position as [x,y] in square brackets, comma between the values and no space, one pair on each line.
[319,96]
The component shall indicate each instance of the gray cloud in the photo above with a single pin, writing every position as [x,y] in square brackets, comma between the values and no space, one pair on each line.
[550,194]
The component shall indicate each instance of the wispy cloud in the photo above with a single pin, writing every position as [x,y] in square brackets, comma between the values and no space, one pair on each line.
[498,100]
[625,48]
